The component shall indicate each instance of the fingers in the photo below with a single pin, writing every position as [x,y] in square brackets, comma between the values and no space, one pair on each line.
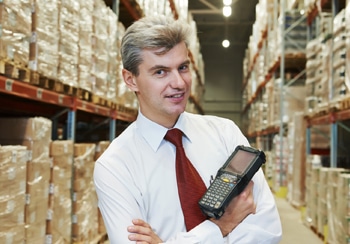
[248,191]
[140,222]
[142,232]
[140,227]
[249,198]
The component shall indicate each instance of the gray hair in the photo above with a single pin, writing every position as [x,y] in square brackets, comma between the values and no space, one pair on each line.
[152,33]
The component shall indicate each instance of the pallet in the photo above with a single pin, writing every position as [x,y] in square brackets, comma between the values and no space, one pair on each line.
[340,104]
[345,103]
[42,81]
[100,239]
[58,87]
[123,109]
[317,233]
[14,70]
[320,110]
[111,104]
[84,94]
[69,90]
[294,60]
[98,100]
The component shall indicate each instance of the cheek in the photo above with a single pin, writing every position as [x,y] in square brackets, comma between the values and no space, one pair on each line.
[187,77]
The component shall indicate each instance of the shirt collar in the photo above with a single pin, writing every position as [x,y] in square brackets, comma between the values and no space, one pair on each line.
[154,133]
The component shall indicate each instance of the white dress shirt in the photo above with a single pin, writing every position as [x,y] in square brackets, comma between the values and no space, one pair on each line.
[136,178]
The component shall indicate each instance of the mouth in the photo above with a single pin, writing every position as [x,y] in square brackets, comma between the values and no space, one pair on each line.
[176,95]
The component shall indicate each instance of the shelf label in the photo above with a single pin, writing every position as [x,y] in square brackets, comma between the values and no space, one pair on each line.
[33,37]
[60,99]
[39,93]
[84,105]
[96,109]
[8,85]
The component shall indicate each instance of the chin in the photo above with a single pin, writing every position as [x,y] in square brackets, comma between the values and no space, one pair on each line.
[177,111]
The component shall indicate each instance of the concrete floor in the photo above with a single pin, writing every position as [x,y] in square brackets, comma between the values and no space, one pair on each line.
[294,231]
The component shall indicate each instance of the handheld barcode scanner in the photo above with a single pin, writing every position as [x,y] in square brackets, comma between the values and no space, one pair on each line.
[231,179]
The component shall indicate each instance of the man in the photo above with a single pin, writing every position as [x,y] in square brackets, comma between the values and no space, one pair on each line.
[135,178]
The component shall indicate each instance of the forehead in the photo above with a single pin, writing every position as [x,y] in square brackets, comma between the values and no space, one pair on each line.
[177,55]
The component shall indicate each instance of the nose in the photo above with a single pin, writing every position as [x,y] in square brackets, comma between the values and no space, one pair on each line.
[177,80]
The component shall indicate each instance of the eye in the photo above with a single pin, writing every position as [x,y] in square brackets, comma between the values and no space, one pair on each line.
[184,67]
[160,72]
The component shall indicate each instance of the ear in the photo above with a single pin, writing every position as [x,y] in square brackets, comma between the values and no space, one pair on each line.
[129,80]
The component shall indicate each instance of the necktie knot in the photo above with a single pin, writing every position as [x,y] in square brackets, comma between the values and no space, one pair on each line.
[175,137]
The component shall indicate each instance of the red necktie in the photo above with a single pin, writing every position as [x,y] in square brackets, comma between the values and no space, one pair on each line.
[190,185]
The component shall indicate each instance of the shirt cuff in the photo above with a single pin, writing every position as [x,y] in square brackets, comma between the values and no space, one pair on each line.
[208,233]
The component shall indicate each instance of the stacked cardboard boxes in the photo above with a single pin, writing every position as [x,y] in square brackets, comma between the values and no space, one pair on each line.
[297,160]
[101,48]
[339,56]
[35,134]
[15,23]
[341,226]
[100,148]
[85,214]
[113,61]
[68,42]
[13,168]
[44,40]
[15,18]
[327,201]
[85,44]
[59,218]
[337,214]
[347,48]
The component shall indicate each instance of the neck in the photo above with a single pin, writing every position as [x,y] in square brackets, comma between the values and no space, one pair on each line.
[165,121]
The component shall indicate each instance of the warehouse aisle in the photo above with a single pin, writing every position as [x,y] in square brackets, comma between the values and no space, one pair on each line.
[294,231]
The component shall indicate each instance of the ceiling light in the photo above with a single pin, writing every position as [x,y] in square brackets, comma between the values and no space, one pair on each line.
[225,43]
[226,11]
[227,2]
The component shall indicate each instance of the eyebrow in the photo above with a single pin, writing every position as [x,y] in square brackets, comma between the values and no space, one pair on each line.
[156,67]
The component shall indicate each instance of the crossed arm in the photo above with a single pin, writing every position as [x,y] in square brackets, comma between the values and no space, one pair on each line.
[239,208]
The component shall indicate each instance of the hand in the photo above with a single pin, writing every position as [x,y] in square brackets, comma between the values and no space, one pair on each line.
[142,233]
[237,210]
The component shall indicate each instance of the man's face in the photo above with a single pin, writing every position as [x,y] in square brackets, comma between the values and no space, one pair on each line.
[163,85]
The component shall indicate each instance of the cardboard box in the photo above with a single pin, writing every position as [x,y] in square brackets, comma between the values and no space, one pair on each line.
[100,148]
[61,148]
[13,161]
[36,128]
[34,133]
[13,235]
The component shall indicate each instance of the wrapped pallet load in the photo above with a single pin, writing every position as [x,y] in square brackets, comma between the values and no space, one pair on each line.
[35,134]
[13,168]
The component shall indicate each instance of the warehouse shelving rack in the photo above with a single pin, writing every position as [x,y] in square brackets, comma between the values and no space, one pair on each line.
[336,118]
[298,65]
[284,64]
[22,98]
[333,117]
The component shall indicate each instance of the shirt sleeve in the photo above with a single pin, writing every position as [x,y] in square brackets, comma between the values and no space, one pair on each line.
[118,201]
[205,233]
[263,227]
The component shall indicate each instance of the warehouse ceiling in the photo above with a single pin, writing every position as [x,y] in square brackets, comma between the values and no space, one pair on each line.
[213,27]
[223,66]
